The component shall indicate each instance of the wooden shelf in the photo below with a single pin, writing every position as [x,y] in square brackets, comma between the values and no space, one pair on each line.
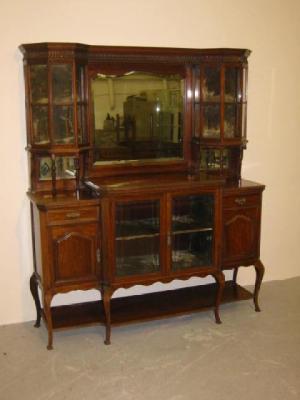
[147,306]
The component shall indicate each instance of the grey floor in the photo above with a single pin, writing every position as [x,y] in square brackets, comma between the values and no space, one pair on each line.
[250,356]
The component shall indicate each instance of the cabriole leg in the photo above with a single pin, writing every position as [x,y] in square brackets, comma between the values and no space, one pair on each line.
[220,280]
[35,295]
[260,270]
[48,316]
[106,297]
[235,272]
[234,278]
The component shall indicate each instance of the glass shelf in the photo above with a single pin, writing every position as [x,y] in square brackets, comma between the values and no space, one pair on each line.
[185,260]
[191,230]
[138,236]
[137,265]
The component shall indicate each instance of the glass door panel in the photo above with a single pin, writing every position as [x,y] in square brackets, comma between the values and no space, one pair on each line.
[39,103]
[192,231]
[137,239]
[211,121]
[62,83]
[40,124]
[211,102]
[39,84]
[81,104]
[230,121]
[62,104]
[63,124]
[233,90]
[211,84]
[232,100]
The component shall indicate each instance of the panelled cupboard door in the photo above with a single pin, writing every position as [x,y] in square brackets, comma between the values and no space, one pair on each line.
[241,233]
[74,250]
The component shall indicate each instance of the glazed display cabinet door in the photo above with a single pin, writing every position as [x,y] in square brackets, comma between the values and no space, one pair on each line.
[241,234]
[74,251]
[220,102]
[137,238]
[192,233]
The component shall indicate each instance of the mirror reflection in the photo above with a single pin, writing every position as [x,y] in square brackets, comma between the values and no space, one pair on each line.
[137,116]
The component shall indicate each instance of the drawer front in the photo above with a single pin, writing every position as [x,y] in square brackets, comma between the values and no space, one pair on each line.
[241,200]
[73,215]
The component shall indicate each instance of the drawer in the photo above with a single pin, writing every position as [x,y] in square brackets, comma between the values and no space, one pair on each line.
[73,215]
[241,200]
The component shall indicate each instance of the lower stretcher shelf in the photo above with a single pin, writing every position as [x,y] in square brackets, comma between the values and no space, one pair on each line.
[148,306]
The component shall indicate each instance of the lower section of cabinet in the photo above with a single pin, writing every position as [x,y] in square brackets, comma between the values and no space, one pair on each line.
[146,307]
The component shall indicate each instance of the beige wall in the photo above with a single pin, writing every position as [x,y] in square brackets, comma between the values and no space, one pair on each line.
[270,28]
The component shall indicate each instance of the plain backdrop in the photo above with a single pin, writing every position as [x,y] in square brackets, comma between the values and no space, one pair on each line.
[270,28]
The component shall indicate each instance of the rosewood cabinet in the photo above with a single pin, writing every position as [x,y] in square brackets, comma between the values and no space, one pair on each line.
[135,159]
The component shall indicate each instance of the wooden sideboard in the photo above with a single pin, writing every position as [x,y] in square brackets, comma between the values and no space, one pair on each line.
[135,169]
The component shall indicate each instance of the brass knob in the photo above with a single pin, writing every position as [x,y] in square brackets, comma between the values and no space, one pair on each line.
[240,200]
[73,215]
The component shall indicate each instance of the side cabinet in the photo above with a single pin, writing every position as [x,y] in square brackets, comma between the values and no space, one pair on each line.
[66,254]
[241,227]
[241,216]
[73,246]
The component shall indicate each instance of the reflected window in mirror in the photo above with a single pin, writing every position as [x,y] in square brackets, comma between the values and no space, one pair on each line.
[137,116]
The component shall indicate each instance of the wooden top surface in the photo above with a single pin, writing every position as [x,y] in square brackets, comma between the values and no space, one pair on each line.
[141,184]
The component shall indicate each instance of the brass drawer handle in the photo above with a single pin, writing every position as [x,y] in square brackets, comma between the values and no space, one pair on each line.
[73,215]
[240,200]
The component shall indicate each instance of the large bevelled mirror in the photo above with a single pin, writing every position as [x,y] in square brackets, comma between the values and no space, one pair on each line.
[138,116]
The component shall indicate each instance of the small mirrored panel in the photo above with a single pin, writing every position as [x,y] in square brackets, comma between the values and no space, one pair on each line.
[61,83]
[62,164]
[137,238]
[192,231]
[40,124]
[214,159]
[211,121]
[63,128]
[39,84]
[211,84]
[137,116]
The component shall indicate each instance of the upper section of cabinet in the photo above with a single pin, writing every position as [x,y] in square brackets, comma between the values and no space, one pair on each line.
[161,109]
